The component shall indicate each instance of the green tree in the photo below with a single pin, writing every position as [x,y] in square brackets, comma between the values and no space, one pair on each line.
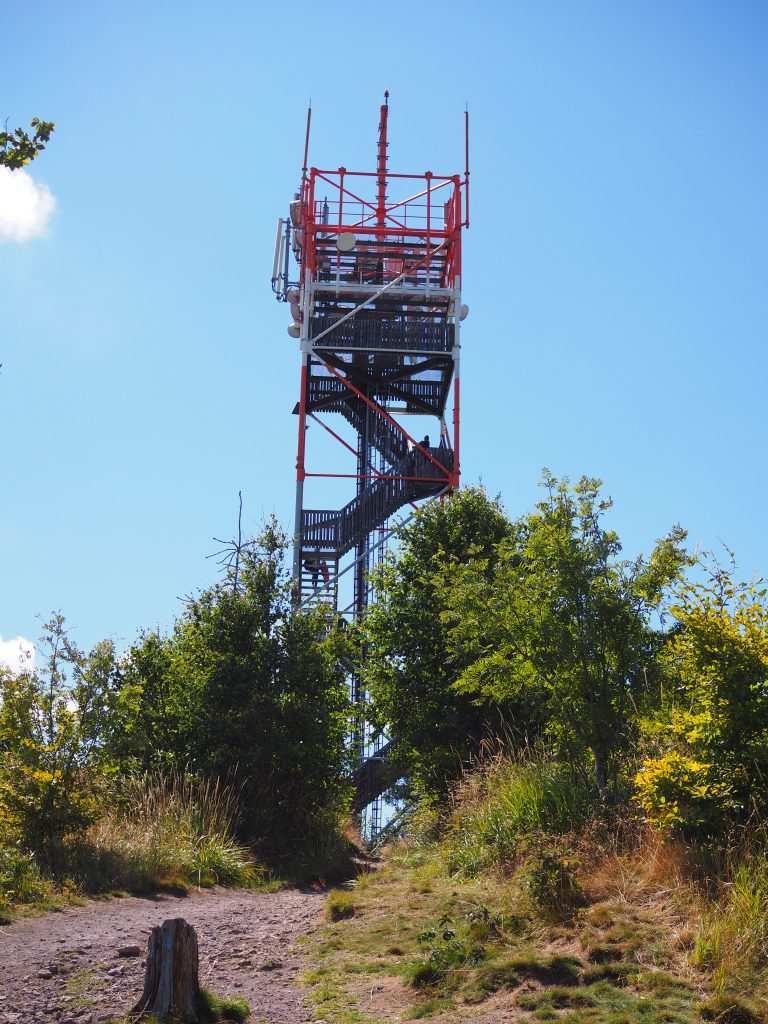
[244,688]
[160,708]
[55,726]
[408,674]
[712,767]
[560,619]
[18,147]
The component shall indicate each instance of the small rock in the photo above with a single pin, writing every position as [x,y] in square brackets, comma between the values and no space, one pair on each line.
[45,973]
[129,951]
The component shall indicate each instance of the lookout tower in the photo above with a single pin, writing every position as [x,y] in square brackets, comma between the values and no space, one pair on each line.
[374,291]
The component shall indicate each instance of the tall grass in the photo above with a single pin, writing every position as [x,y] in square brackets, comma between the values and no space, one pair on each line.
[166,830]
[732,937]
[506,799]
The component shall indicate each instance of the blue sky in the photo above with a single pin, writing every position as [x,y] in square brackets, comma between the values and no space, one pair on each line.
[615,269]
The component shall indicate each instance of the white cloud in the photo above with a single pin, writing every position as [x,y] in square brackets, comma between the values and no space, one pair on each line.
[25,206]
[17,654]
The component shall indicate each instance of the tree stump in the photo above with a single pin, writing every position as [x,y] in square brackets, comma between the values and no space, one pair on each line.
[171,988]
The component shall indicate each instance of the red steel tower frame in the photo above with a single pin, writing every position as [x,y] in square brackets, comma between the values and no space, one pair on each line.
[376,303]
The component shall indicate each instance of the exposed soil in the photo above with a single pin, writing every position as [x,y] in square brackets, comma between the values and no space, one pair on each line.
[67,967]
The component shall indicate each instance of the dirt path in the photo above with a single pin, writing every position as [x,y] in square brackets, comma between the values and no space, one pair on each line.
[66,967]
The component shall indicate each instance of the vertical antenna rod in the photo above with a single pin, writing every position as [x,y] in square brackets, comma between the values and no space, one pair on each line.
[466,168]
[381,168]
[306,142]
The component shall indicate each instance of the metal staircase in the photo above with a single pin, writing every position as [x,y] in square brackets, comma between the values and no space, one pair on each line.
[331,534]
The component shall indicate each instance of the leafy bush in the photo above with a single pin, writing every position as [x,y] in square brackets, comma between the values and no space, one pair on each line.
[449,949]
[552,882]
[20,879]
[247,688]
[560,626]
[55,724]
[712,770]
[680,794]
[408,676]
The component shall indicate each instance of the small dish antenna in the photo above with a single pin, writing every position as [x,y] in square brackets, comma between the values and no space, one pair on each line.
[346,241]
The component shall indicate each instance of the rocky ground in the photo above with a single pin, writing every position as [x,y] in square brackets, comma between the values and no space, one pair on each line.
[86,964]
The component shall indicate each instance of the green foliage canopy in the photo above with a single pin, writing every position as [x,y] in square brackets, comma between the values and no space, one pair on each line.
[408,674]
[558,620]
[244,688]
[18,147]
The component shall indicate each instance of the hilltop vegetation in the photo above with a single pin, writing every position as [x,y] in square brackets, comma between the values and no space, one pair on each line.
[581,739]
[593,846]
[502,910]
[646,676]
[213,754]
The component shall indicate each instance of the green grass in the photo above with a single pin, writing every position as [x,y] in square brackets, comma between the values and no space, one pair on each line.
[340,905]
[223,1008]
[439,942]
[729,1009]
[443,940]
[533,901]
[505,802]
[548,934]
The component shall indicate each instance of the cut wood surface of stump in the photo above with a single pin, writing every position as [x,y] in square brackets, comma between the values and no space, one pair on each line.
[171,987]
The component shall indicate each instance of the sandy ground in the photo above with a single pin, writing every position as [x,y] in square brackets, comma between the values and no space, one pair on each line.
[67,967]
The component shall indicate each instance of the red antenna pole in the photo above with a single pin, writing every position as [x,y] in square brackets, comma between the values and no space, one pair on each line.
[381,168]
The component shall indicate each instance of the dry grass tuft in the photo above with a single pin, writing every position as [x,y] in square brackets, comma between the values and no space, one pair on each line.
[168,830]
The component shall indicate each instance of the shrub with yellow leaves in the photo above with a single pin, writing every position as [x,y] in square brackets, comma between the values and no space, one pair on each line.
[713,728]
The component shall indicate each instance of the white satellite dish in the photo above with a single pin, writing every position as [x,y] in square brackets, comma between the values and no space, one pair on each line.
[294,330]
[464,312]
[346,241]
